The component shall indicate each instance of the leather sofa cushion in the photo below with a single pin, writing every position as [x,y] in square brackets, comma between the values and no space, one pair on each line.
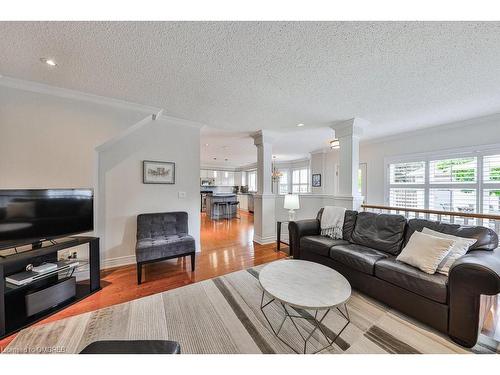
[319,244]
[384,232]
[412,279]
[360,258]
[486,238]
[349,222]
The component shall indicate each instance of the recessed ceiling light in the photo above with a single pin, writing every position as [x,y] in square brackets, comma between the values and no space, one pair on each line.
[300,125]
[48,61]
[206,144]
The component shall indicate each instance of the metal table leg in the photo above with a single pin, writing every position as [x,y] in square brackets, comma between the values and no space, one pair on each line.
[318,325]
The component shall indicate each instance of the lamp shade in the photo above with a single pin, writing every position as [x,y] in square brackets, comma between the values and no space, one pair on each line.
[291,202]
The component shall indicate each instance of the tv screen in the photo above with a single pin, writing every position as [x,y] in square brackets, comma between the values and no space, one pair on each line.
[30,216]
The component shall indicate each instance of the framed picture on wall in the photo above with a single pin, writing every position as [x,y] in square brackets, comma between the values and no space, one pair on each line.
[158,172]
[316,180]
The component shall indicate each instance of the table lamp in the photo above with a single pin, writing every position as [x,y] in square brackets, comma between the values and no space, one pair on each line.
[291,204]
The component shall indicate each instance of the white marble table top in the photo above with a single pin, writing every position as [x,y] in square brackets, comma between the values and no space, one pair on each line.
[304,284]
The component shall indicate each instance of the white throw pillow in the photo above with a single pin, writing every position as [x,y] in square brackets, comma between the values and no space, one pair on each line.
[459,249]
[425,252]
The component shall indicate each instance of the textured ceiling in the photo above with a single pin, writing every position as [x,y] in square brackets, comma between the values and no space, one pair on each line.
[245,76]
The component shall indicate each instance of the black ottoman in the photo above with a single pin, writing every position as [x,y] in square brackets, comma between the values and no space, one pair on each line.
[132,347]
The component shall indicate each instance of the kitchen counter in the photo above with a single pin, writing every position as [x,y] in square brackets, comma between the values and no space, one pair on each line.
[217,211]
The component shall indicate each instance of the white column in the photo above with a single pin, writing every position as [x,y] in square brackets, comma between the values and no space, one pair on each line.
[264,200]
[348,133]
[264,142]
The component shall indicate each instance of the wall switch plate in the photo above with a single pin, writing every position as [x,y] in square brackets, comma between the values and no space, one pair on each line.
[182,194]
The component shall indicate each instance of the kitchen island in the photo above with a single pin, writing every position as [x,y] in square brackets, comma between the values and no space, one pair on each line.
[218,206]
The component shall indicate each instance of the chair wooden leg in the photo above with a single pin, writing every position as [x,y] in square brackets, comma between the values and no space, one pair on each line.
[193,257]
[139,273]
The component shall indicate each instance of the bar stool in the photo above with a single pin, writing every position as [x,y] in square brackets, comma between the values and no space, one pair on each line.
[221,209]
[231,205]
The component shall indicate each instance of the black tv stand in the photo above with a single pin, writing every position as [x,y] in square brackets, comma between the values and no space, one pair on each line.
[13,316]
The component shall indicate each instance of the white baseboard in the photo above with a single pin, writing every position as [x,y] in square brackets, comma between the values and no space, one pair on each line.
[117,262]
[84,274]
[264,240]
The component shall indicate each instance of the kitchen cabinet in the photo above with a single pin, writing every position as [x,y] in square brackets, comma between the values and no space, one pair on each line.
[250,203]
[227,178]
[221,178]
[243,199]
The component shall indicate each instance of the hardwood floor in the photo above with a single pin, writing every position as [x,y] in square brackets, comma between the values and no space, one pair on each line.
[226,246]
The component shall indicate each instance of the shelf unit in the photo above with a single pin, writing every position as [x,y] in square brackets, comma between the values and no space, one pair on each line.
[13,316]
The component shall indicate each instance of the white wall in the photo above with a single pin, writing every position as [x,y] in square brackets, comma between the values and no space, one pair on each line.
[474,132]
[122,195]
[325,163]
[49,142]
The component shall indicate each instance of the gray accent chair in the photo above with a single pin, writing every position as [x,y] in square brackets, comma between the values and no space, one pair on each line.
[162,236]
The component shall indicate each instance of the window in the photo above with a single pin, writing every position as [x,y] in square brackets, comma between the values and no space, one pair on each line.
[467,184]
[252,180]
[453,171]
[407,173]
[300,180]
[491,186]
[283,182]
[491,169]
[409,198]
[407,184]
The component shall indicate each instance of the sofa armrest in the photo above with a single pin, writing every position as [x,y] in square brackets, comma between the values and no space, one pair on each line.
[473,275]
[298,229]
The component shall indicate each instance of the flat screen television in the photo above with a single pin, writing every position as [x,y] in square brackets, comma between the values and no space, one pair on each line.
[32,216]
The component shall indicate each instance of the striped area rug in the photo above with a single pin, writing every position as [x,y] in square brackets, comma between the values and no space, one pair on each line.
[223,315]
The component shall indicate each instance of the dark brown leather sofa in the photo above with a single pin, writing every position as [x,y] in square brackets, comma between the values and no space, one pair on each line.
[366,256]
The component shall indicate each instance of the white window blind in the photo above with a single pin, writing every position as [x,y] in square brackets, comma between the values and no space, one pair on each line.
[300,180]
[461,170]
[408,198]
[283,182]
[491,201]
[461,200]
[491,168]
[407,173]
[252,181]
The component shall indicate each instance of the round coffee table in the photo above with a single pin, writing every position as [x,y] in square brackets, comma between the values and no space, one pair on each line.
[298,286]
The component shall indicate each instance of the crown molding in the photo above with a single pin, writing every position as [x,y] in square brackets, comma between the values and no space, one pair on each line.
[180,121]
[218,167]
[246,167]
[42,88]
[424,131]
